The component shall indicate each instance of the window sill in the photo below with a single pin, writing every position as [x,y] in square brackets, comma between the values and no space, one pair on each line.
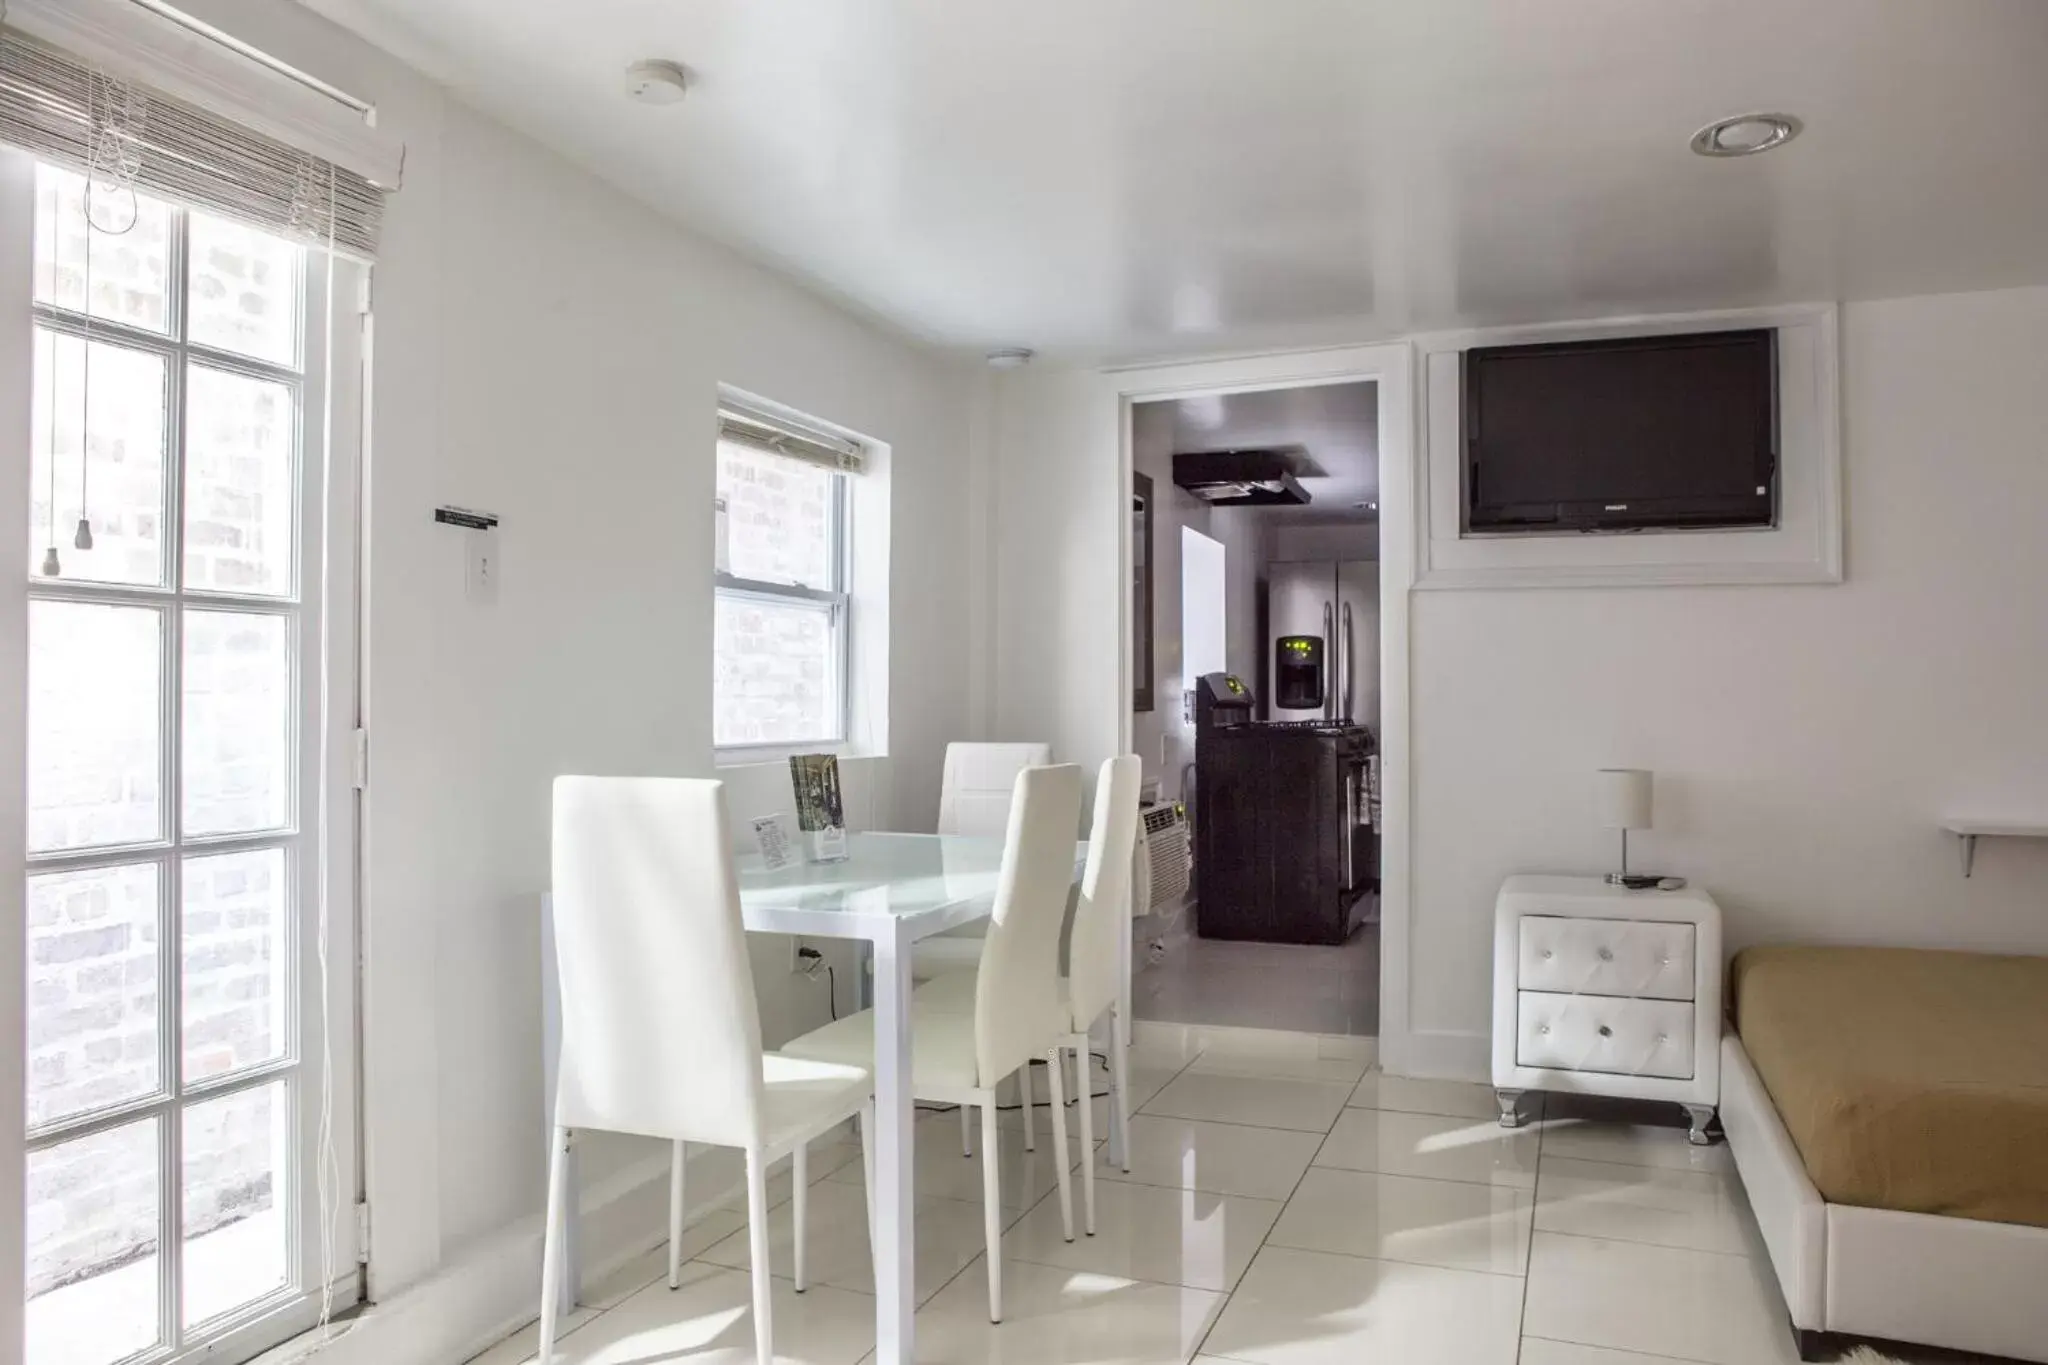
[746,755]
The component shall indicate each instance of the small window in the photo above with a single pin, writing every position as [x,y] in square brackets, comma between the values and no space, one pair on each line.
[782,617]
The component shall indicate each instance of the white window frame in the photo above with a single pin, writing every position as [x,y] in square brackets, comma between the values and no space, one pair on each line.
[318,835]
[838,599]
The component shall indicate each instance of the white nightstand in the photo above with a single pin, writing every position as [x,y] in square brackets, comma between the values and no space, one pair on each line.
[1598,990]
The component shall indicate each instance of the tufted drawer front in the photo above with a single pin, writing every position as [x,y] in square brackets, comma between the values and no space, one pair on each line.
[1606,957]
[1605,1033]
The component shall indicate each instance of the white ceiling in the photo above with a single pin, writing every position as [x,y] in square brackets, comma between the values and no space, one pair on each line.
[1335,427]
[1157,176]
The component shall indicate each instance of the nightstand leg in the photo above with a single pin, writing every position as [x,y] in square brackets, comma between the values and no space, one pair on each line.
[1701,1115]
[1510,1107]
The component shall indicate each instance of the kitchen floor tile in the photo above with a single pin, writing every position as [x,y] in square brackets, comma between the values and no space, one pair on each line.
[1698,1305]
[1431,1146]
[1699,1210]
[1398,1218]
[1221,1158]
[709,1320]
[1260,1101]
[1537,1351]
[1184,1237]
[1293,1065]
[942,1172]
[1631,1145]
[949,1235]
[1309,1308]
[1063,1317]
[1453,1099]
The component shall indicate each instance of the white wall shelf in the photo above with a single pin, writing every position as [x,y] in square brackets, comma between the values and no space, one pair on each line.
[1970,831]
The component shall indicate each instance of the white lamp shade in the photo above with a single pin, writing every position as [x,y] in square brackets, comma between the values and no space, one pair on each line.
[1624,796]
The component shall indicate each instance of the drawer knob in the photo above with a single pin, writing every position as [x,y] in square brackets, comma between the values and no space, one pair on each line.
[1606,1032]
[1607,954]
[1543,1029]
[1663,1037]
[1547,955]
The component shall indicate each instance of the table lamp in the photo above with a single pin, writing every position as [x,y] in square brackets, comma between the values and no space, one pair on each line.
[1625,805]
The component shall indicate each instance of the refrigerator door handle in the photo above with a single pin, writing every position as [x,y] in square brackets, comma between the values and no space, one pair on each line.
[1344,662]
[1350,837]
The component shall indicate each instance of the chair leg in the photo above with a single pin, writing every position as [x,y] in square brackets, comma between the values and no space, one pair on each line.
[1027,1092]
[800,1176]
[992,1207]
[757,1245]
[675,1215]
[1120,1082]
[1059,1140]
[967,1130]
[1084,1097]
[551,1247]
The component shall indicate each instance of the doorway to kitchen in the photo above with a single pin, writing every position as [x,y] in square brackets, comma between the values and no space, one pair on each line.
[1256,644]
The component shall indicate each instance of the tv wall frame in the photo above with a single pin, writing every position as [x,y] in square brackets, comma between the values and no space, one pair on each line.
[1805,546]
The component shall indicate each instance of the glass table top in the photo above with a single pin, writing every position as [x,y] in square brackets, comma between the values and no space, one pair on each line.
[883,875]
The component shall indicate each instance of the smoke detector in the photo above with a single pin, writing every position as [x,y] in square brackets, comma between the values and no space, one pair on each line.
[657,82]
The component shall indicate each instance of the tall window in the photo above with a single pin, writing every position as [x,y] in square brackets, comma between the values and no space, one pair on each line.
[173,778]
[783,615]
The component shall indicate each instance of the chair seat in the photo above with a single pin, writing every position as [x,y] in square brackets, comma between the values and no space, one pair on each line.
[957,949]
[941,1046]
[801,1095]
[953,993]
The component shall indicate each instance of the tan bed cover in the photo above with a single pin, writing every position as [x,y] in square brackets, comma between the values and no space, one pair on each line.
[1908,1079]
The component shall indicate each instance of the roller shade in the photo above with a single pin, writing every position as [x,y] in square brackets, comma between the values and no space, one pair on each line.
[71,113]
[776,436]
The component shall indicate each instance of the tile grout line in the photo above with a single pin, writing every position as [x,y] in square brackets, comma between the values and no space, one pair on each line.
[1266,1238]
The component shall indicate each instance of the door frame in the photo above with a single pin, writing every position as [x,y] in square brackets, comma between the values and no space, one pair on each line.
[1391,367]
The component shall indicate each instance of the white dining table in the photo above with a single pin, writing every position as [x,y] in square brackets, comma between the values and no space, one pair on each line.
[888,892]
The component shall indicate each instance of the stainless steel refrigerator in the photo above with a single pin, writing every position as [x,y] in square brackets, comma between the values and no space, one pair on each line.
[1323,645]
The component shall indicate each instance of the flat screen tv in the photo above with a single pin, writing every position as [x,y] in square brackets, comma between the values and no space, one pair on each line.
[1627,434]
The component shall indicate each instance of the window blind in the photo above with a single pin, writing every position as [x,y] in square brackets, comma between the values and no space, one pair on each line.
[775,436]
[65,111]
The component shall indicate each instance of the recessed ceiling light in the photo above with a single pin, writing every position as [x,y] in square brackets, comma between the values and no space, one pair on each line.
[1009,358]
[656,82]
[1745,134]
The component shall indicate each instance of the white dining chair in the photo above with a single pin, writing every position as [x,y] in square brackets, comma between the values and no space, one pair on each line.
[661,1036]
[975,789]
[960,1058]
[1091,989]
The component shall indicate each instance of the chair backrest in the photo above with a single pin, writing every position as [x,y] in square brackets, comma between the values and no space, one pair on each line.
[1103,916]
[1017,995]
[975,791]
[660,1031]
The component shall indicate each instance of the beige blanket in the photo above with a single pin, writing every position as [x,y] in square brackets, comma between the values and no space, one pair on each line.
[1908,1079]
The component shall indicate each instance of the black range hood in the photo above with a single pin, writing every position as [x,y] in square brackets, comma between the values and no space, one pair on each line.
[1241,478]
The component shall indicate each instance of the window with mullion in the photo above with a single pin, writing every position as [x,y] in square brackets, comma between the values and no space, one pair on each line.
[166,711]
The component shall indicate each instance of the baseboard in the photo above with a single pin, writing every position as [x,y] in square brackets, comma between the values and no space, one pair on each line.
[493,1288]
[1439,1055]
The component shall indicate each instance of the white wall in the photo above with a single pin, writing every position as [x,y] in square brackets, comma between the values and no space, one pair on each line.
[547,349]
[1332,542]
[1806,739]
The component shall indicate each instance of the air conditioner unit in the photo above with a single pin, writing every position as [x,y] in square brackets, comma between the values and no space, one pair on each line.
[1159,880]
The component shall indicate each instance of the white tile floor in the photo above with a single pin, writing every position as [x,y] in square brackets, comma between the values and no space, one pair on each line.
[1266,985]
[1285,1206]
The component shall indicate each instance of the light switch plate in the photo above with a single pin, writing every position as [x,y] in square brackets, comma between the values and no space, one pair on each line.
[481,579]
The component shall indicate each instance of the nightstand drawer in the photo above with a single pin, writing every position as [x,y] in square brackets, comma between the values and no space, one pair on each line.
[1650,958]
[1621,1037]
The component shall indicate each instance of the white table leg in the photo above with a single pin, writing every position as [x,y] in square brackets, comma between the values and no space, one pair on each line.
[895,1231]
[569,1282]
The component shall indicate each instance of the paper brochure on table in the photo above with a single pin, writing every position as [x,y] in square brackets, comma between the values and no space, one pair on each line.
[820,813]
[772,837]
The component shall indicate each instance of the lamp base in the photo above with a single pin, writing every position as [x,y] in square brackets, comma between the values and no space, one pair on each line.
[1645,881]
